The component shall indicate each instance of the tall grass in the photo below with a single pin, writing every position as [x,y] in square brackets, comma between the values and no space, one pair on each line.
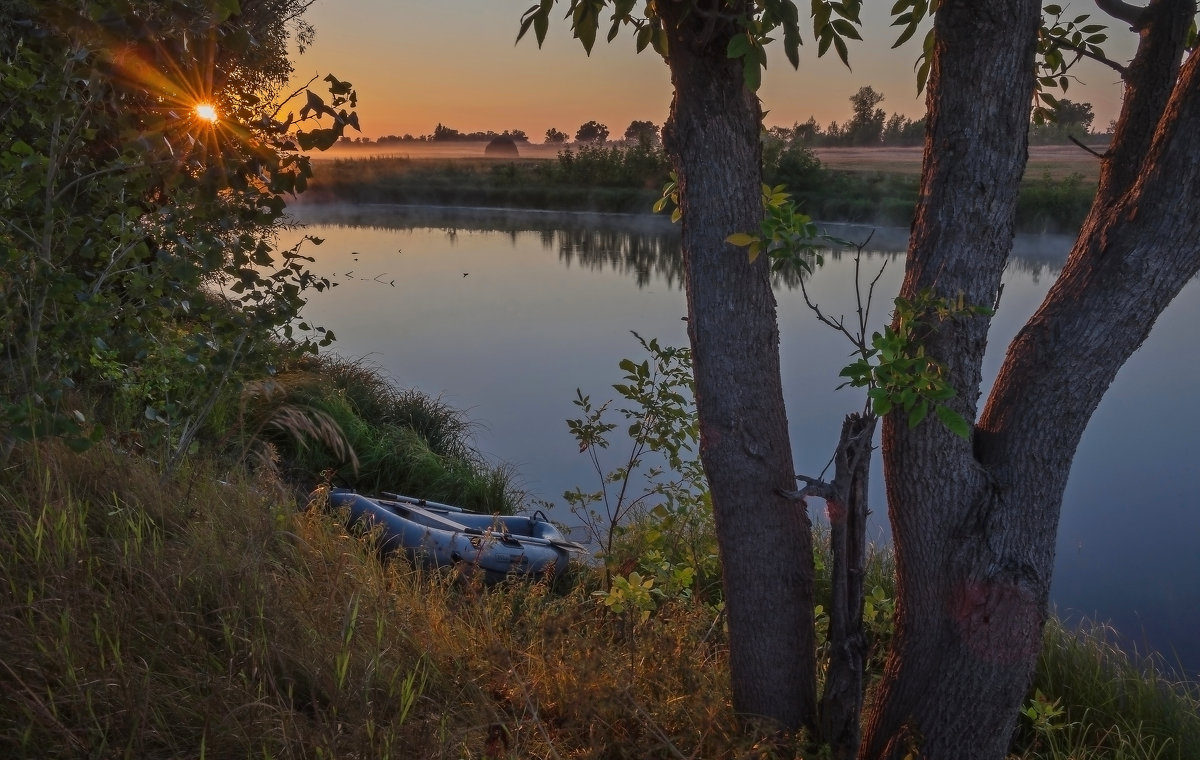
[195,619]
[1113,704]
[203,616]
[346,418]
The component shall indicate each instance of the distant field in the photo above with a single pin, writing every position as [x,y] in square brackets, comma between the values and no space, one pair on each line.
[1058,161]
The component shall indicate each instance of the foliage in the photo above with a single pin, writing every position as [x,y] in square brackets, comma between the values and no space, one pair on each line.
[136,238]
[832,24]
[662,433]
[591,132]
[594,165]
[866,128]
[1062,43]
[893,367]
[642,132]
[325,414]
[443,133]
[613,178]
[787,160]
[555,137]
[897,373]
[1065,120]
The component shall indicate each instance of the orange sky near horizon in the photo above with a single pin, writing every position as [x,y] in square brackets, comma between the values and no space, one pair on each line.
[418,63]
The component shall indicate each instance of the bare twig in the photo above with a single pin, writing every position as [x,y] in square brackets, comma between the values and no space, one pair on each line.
[294,95]
[1075,140]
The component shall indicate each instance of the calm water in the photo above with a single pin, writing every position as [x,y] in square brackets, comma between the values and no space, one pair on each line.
[505,315]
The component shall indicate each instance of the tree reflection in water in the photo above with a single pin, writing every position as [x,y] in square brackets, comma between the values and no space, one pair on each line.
[644,246]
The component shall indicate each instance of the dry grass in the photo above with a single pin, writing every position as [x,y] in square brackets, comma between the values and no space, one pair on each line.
[203,616]
[1056,161]
[151,618]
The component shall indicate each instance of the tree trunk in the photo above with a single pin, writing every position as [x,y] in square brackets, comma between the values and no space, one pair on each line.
[1149,79]
[975,526]
[842,698]
[969,610]
[765,541]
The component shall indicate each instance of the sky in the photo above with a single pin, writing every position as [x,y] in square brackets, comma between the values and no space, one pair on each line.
[418,63]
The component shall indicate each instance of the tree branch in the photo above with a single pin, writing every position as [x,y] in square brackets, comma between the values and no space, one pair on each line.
[1130,14]
[1082,52]
[1089,149]
[813,487]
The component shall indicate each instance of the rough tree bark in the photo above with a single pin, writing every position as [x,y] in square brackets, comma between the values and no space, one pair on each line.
[846,501]
[712,136]
[975,523]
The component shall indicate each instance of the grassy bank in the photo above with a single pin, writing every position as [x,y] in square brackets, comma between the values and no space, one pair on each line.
[873,186]
[595,178]
[204,615]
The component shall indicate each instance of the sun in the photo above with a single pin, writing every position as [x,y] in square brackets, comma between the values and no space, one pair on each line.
[206,112]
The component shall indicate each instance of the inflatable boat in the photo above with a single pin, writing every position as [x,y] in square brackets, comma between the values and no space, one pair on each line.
[436,535]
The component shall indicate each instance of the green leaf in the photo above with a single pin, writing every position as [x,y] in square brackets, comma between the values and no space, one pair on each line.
[842,52]
[881,406]
[918,413]
[643,37]
[585,25]
[224,9]
[739,45]
[751,73]
[846,29]
[953,421]
[823,45]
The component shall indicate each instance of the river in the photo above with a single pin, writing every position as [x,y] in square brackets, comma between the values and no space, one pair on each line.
[506,314]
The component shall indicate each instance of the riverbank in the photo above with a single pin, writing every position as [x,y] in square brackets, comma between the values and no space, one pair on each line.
[851,185]
[201,614]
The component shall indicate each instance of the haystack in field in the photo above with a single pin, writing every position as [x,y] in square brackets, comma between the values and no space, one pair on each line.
[501,147]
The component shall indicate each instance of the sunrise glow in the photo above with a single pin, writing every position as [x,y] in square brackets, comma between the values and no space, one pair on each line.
[206,112]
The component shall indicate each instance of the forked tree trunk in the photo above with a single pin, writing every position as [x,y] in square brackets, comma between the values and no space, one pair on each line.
[975,525]
[969,607]
[765,541]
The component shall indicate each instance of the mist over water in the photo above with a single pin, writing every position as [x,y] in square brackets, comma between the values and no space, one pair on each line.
[506,313]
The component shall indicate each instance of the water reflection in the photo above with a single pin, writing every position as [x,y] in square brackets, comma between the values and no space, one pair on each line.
[549,303]
[643,246]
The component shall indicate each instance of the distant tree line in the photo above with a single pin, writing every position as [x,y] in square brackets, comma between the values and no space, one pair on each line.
[868,126]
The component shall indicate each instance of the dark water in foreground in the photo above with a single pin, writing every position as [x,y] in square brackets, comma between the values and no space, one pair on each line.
[505,315]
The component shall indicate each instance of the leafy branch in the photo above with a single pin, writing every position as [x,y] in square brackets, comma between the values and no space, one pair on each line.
[892,365]
[897,373]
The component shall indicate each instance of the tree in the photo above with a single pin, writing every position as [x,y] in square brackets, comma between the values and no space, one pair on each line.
[555,137]
[713,139]
[975,520]
[974,517]
[866,127]
[901,130]
[808,132]
[136,240]
[592,132]
[442,133]
[642,131]
[1065,120]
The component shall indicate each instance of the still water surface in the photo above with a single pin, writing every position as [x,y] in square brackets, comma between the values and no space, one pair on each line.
[506,315]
